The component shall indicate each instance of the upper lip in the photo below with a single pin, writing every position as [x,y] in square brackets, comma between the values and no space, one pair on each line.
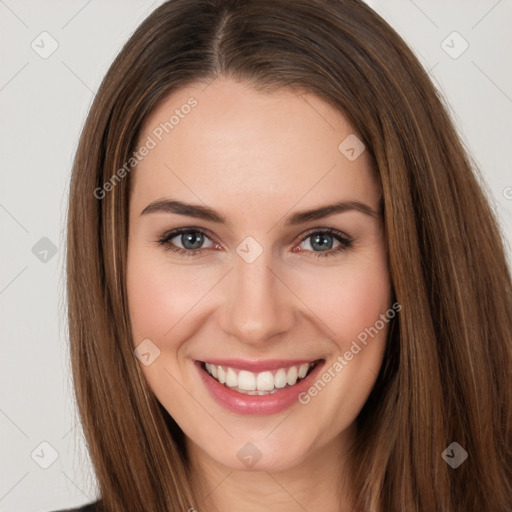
[259,366]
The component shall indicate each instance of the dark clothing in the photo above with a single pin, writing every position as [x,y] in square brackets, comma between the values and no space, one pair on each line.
[91,507]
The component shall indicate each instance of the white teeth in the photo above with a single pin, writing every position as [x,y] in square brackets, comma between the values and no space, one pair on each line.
[302,370]
[246,381]
[212,369]
[261,383]
[221,375]
[292,376]
[231,378]
[265,381]
[280,378]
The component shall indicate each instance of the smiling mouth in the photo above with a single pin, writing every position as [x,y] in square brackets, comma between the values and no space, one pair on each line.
[262,383]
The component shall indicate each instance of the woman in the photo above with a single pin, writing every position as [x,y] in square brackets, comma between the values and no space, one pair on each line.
[287,290]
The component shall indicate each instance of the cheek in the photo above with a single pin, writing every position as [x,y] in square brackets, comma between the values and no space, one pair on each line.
[161,301]
[353,306]
[349,299]
[159,296]
[360,300]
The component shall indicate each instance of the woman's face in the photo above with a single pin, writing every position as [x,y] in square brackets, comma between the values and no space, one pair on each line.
[264,285]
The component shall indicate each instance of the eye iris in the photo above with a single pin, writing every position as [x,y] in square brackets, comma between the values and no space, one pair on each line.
[194,237]
[322,238]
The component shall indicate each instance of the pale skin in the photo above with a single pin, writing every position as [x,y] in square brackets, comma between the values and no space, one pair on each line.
[256,159]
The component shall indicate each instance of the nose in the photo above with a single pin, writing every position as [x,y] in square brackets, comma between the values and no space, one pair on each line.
[259,305]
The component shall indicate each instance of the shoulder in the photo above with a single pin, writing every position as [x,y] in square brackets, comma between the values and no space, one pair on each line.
[90,507]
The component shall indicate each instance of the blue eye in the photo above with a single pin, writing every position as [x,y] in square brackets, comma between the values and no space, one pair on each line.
[192,239]
[323,240]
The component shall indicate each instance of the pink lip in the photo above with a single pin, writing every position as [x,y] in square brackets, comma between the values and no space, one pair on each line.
[258,366]
[256,404]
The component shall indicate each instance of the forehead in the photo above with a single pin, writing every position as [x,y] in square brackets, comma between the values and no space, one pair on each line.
[230,144]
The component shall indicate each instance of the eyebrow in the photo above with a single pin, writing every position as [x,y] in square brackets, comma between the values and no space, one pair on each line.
[206,213]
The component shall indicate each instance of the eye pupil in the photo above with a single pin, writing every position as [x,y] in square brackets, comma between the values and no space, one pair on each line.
[195,237]
[322,238]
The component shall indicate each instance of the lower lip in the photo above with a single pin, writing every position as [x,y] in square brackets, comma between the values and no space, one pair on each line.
[241,403]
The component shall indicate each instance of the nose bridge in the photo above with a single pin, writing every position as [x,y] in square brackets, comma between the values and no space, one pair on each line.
[259,305]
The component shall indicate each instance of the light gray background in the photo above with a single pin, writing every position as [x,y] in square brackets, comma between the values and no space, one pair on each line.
[43,103]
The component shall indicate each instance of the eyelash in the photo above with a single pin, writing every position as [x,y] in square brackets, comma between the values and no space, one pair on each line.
[345,242]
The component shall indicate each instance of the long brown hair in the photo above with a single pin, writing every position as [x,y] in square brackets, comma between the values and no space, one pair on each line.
[447,370]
